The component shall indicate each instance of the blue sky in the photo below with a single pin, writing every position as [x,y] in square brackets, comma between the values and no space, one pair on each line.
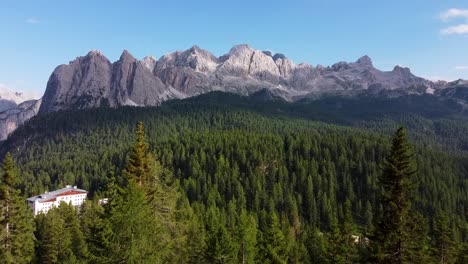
[430,37]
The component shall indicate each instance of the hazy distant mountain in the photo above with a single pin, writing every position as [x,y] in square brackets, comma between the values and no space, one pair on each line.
[9,99]
[93,81]
[15,109]
[12,118]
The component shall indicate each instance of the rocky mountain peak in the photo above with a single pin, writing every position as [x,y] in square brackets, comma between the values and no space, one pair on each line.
[95,53]
[402,70]
[126,56]
[195,49]
[196,58]
[180,74]
[365,61]
[243,60]
[240,49]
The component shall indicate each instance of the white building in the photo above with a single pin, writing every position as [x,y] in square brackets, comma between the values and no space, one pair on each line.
[70,194]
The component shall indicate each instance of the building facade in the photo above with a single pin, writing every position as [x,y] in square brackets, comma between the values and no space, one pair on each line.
[70,194]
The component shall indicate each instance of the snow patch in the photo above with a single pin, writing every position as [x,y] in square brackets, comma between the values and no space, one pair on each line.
[130,102]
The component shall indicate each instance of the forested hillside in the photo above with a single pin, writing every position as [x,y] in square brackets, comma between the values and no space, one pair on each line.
[250,180]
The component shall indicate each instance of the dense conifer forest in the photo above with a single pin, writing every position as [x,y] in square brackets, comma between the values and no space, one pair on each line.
[222,178]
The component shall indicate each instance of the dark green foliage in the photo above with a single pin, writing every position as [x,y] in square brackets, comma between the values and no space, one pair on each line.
[16,225]
[97,231]
[400,233]
[243,181]
[141,164]
[444,248]
[136,232]
[59,236]
[273,246]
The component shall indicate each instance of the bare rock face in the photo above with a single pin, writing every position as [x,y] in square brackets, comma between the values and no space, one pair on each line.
[14,117]
[242,60]
[92,81]
[132,83]
[84,83]
[188,72]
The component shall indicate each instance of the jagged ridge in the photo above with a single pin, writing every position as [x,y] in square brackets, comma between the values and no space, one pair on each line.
[93,81]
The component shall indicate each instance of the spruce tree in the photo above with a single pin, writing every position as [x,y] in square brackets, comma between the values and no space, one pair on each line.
[272,242]
[391,241]
[218,243]
[135,230]
[16,234]
[147,172]
[247,237]
[444,247]
[141,164]
[73,230]
[349,235]
[97,231]
[53,244]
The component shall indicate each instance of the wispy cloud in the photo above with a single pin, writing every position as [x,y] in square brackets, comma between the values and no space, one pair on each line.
[455,30]
[7,91]
[461,68]
[453,13]
[33,20]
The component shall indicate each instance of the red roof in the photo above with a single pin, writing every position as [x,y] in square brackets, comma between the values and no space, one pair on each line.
[50,200]
[71,192]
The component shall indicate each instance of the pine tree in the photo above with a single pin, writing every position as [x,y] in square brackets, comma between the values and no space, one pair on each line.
[334,244]
[316,246]
[247,237]
[368,216]
[392,237]
[159,186]
[218,243]
[160,191]
[444,248]
[53,245]
[136,232]
[349,235]
[16,234]
[273,247]
[97,231]
[73,230]
[141,164]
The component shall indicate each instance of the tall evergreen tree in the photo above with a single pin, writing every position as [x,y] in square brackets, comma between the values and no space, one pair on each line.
[141,164]
[273,247]
[444,248]
[159,186]
[247,237]
[16,234]
[97,231]
[349,235]
[218,243]
[136,232]
[53,246]
[392,237]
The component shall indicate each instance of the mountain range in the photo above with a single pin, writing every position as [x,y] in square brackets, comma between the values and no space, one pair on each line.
[93,81]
